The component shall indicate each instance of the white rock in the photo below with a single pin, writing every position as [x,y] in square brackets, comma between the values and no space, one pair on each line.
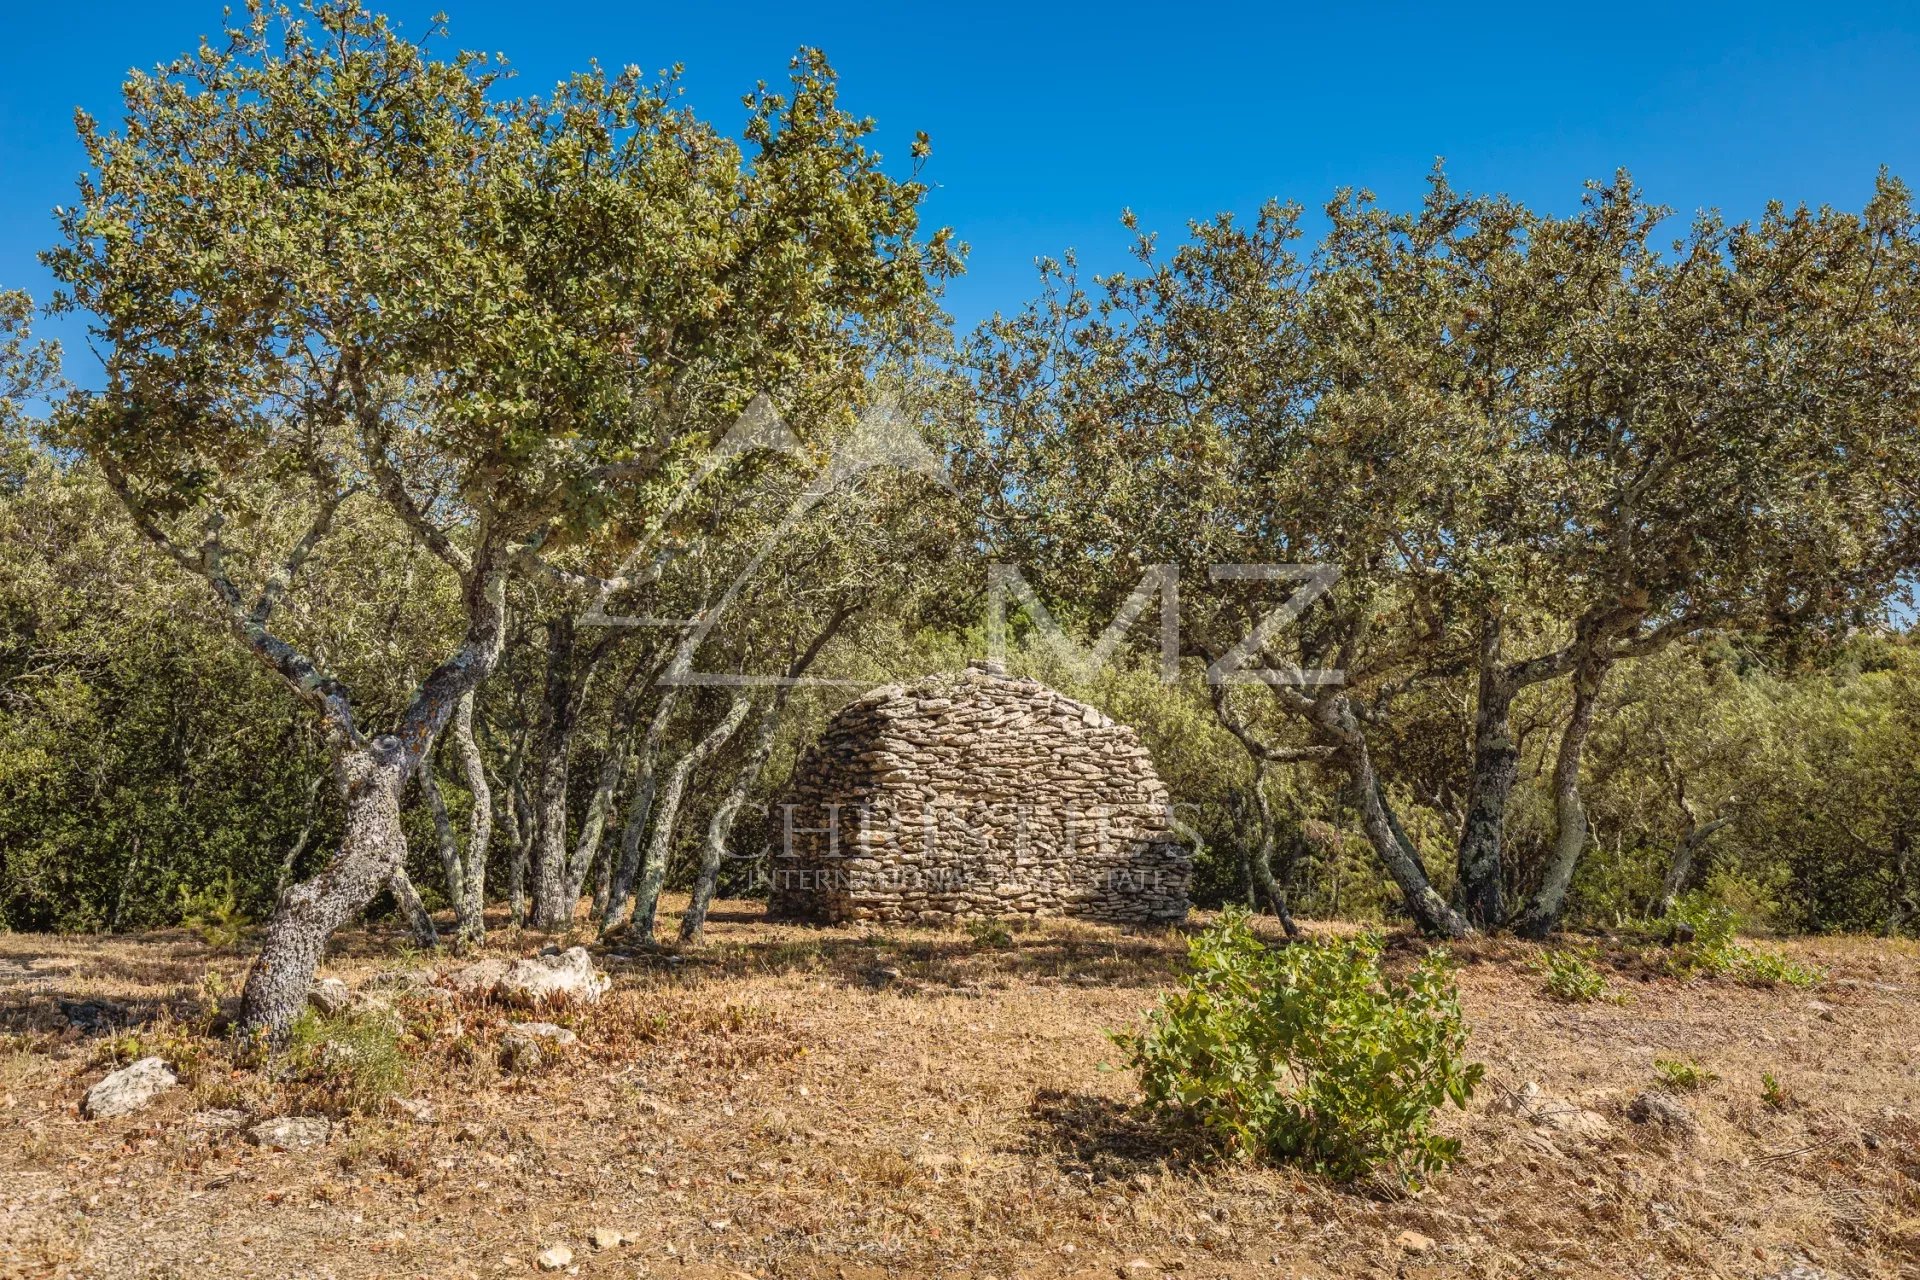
[129,1089]
[555,1258]
[605,1238]
[543,1031]
[329,996]
[291,1133]
[569,976]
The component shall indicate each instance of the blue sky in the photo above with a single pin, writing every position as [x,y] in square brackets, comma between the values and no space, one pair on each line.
[1048,120]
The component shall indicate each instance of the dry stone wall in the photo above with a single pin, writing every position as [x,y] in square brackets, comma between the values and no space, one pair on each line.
[972,796]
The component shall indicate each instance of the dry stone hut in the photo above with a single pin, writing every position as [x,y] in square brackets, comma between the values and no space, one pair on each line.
[974,795]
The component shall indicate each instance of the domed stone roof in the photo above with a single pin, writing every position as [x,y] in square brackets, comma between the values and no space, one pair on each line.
[973,795]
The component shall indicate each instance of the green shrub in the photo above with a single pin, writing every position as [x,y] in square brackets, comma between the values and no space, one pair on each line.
[352,1062]
[991,934]
[1681,1075]
[1702,933]
[1308,1053]
[1571,975]
[1774,1095]
[215,917]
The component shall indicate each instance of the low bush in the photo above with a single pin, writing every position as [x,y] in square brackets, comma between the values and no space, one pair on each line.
[1701,932]
[1570,975]
[352,1062]
[1682,1075]
[1308,1053]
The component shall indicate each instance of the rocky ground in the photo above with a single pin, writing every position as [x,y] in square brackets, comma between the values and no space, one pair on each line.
[796,1102]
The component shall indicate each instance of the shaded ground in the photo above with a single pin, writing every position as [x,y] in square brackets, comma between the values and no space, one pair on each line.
[798,1102]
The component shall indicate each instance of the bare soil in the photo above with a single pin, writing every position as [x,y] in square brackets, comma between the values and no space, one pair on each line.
[863,1103]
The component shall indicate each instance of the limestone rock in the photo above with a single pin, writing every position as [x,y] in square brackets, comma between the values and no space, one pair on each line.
[543,1031]
[291,1133]
[554,1259]
[329,996]
[605,1238]
[129,1089]
[1663,1111]
[1414,1242]
[568,976]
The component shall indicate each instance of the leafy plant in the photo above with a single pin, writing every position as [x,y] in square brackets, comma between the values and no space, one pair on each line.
[1570,975]
[1702,933]
[1773,1094]
[352,1062]
[213,914]
[1309,1053]
[1682,1075]
[991,934]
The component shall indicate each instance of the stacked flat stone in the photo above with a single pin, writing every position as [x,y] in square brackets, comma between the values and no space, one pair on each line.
[975,796]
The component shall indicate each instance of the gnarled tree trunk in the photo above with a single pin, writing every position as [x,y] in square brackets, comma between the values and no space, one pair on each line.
[653,873]
[1542,914]
[1496,762]
[372,849]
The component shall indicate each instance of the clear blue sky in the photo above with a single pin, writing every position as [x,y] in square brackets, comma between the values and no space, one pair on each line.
[1048,120]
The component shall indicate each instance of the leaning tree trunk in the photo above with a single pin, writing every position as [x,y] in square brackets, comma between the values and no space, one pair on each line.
[653,873]
[371,850]
[412,910]
[1259,862]
[1680,871]
[1496,762]
[1542,914]
[639,812]
[720,828]
[471,909]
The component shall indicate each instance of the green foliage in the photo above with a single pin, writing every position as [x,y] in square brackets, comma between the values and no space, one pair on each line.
[1774,1095]
[214,915]
[351,1062]
[1703,932]
[991,934]
[1681,1075]
[1309,1053]
[1569,974]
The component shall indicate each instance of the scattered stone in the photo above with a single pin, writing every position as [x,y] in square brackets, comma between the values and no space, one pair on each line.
[329,996]
[1663,1111]
[479,978]
[1575,1122]
[221,1120]
[520,1054]
[1063,812]
[95,1017]
[554,1259]
[401,979]
[543,1031]
[291,1133]
[1555,1114]
[1413,1241]
[418,1110]
[605,1238]
[568,976]
[129,1089]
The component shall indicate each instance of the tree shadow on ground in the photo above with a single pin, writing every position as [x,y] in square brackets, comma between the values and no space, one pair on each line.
[922,962]
[1104,1139]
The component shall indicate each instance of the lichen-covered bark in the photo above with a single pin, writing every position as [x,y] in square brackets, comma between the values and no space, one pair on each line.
[370,852]
[1542,914]
[653,873]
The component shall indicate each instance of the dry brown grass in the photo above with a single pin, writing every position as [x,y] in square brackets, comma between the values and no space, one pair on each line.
[779,1104]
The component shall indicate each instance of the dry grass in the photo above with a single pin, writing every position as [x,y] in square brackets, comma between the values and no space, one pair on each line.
[782,1104]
